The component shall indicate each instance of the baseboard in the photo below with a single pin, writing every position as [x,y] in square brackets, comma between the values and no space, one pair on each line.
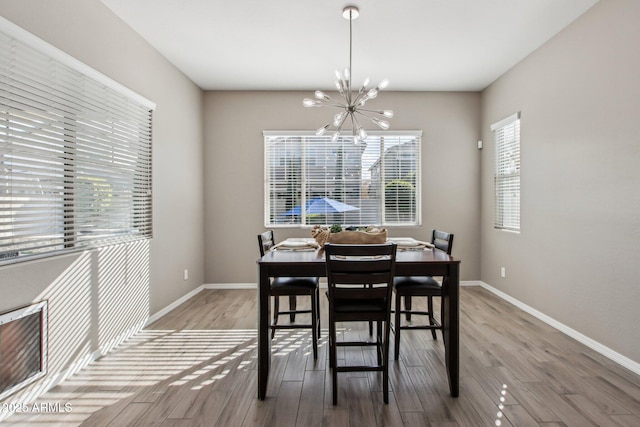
[470,283]
[323,284]
[173,305]
[230,286]
[591,343]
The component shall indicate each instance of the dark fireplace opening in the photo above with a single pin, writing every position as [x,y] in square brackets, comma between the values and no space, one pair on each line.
[23,347]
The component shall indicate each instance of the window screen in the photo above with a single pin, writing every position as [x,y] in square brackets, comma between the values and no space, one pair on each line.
[311,180]
[75,153]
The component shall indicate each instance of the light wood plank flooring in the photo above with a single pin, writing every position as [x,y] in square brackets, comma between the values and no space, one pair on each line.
[197,367]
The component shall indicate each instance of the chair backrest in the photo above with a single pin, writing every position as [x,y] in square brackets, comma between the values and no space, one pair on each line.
[265,242]
[349,265]
[442,240]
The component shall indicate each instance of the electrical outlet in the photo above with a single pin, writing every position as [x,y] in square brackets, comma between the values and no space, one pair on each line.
[503,272]
[185,274]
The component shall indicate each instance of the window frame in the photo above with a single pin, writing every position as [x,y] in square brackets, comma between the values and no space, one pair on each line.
[303,188]
[507,173]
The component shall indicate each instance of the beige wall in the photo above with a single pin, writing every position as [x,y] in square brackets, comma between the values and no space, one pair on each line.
[96,296]
[576,258]
[234,172]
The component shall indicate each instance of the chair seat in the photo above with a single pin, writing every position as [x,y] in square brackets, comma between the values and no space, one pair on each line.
[291,284]
[426,282]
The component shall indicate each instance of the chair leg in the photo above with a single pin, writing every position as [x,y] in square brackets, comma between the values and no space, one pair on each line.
[380,350]
[396,330]
[276,309]
[332,344]
[318,310]
[292,307]
[333,359]
[385,360]
[314,326]
[334,390]
[407,306]
[370,322]
[431,320]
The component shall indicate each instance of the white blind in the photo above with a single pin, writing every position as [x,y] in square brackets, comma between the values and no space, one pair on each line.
[75,157]
[311,180]
[507,173]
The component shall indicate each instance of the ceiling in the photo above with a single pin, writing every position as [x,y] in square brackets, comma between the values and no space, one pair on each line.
[419,45]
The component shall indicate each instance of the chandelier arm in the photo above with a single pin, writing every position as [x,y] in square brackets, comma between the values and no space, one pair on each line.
[358,96]
[373,119]
[370,111]
[360,111]
[383,124]
[359,133]
[338,129]
[336,105]
[361,94]
[330,102]
[354,124]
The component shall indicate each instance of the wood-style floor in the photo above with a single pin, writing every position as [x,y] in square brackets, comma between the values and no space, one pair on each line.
[197,367]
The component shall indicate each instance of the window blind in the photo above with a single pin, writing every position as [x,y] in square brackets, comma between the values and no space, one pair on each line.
[75,154]
[310,180]
[507,173]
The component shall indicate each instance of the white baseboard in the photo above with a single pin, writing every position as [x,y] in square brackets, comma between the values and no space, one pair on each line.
[231,286]
[470,283]
[592,344]
[323,284]
[173,305]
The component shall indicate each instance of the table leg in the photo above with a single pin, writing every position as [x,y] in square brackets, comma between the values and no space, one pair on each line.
[451,326]
[264,342]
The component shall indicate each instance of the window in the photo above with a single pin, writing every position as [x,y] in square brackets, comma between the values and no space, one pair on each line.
[507,173]
[75,153]
[311,180]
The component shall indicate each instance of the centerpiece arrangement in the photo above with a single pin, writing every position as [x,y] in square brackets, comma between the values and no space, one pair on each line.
[362,235]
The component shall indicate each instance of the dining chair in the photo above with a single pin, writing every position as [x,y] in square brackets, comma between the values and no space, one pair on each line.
[348,268]
[293,287]
[408,287]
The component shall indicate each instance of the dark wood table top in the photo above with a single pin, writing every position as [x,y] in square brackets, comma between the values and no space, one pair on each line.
[317,256]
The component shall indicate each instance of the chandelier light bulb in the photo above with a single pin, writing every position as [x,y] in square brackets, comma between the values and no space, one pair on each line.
[383,124]
[323,129]
[311,103]
[350,102]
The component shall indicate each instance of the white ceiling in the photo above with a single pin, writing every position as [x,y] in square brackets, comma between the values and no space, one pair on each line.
[425,45]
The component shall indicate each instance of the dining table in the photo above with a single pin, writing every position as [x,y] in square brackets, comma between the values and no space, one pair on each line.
[412,262]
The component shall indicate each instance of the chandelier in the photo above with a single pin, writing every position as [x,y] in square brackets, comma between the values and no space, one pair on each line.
[351,103]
